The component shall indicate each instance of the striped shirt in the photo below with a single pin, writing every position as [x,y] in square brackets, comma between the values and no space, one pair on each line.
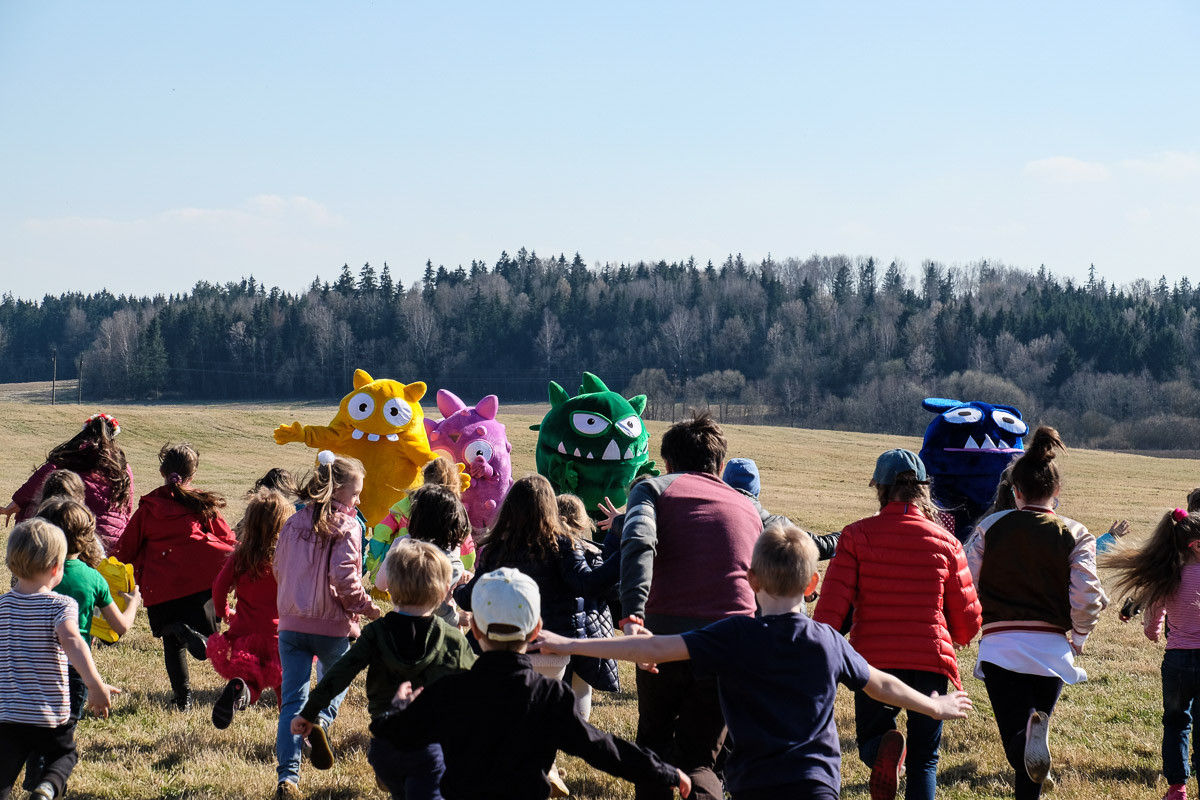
[1182,612]
[33,665]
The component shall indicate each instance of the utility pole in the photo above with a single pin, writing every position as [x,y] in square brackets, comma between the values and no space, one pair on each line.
[53,374]
[79,381]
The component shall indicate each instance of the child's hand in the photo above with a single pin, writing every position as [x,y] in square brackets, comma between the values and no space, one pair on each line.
[685,783]
[99,700]
[8,511]
[952,706]
[463,579]
[134,597]
[552,643]
[464,619]
[1119,528]
[637,629]
[301,726]
[610,513]
[405,694]
[373,612]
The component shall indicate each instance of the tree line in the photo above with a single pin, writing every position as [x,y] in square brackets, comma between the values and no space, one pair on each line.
[826,341]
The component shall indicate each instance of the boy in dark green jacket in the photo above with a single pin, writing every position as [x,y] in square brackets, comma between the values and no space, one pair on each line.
[407,644]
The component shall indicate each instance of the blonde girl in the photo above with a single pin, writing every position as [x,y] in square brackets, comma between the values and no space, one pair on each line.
[318,569]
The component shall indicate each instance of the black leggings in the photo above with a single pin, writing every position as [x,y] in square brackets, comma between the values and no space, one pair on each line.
[55,746]
[1013,694]
[196,611]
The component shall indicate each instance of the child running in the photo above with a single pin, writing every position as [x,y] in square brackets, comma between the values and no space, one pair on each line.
[318,568]
[439,472]
[408,644]
[1163,576]
[247,655]
[776,675]
[39,638]
[501,723]
[1035,572]
[177,542]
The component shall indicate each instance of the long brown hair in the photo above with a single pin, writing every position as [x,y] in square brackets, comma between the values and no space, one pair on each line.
[1035,475]
[277,479]
[907,489]
[527,525]
[438,516]
[78,524]
[178,464]
[1152,572]
[266,512]
[318,487]
[573,515]
[94,449]
[62,483]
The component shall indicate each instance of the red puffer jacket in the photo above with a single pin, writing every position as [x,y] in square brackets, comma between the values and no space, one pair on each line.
[174,551]
[912,594]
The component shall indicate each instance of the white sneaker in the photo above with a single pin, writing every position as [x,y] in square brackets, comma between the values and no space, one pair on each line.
[1037,746]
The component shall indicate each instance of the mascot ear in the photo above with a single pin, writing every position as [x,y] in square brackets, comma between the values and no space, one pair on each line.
[361,378]
[414,391]
[1016,412]
[592,384]
[638,403]
[431,430]
[558,395]
[939,405]
[448,402]
[488,406]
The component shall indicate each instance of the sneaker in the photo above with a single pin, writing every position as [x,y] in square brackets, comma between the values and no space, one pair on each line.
[287,790]
[1037,746]
[235,697]
[183,700]
[322,754]
[557,787]
[1176,791]
[889,763]
[43,791]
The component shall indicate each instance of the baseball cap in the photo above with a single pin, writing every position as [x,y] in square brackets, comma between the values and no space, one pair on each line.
[892,463]
[742,473]
[506,596]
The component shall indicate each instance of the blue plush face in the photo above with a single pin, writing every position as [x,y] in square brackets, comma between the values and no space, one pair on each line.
[969,439]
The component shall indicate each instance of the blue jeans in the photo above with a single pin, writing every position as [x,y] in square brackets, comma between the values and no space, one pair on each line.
[296,651]
[873,719]
[408,774]
[1181,687]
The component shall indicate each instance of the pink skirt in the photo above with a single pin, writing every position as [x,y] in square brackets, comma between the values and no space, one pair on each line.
[254,658]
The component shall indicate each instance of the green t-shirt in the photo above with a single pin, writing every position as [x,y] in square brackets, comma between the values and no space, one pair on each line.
[86,587]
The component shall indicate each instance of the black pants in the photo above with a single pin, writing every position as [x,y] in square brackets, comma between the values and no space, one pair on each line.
[56,746]
[801,790]
[1013,695]
[680,719]
[196,611]
[77,691]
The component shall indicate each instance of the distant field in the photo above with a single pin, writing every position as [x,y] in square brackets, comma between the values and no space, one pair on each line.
[1105,737]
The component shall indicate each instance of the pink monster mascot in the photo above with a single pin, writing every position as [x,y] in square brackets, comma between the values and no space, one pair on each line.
[472,436]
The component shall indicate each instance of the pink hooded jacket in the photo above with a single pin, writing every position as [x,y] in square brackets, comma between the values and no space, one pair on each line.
[319,576]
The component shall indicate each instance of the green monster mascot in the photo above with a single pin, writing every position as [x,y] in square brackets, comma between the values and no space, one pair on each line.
[594,444]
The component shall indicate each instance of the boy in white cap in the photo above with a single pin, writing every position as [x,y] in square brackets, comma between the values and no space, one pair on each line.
[500,724]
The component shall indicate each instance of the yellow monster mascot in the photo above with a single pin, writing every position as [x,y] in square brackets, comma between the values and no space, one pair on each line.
[381,424]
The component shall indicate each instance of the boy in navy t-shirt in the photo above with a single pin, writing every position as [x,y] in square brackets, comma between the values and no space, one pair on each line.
[777,678]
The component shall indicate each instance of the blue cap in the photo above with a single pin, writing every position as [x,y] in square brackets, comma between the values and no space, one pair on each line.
[894,462]
[742,473]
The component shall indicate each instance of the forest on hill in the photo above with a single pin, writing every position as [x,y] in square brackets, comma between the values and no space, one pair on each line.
[827,341]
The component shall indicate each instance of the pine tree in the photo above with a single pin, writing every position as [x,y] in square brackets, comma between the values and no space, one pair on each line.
[386,289]
[866,281]
[367,284]
[893,280]
[427,281]
[345,282]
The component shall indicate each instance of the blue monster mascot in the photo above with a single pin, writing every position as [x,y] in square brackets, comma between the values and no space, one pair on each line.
[966,448]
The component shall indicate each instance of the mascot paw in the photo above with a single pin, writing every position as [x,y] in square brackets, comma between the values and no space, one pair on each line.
[464,477]
[289,433]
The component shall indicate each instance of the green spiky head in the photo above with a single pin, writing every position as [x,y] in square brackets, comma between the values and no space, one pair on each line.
[593,444]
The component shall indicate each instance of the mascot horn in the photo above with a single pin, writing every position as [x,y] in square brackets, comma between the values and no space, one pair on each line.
[966,448]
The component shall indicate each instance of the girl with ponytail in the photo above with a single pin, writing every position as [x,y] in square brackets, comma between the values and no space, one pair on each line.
[177,542]
[318,569]
[1163,576]
[1036,576]
[94,454]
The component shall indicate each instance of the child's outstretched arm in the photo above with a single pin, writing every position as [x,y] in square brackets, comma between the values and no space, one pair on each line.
[80,656]
[646,649]
[121,621]
[890,690]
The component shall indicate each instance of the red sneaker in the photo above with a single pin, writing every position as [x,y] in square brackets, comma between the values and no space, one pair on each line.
[889,763]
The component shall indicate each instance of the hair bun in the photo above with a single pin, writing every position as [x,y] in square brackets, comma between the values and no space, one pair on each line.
[326,457]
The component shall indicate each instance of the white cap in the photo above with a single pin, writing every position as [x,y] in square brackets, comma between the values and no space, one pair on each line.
[506,596]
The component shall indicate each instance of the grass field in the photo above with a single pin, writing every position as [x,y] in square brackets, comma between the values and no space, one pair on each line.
[1105,735]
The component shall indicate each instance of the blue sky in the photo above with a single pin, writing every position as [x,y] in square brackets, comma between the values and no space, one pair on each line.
[145,146]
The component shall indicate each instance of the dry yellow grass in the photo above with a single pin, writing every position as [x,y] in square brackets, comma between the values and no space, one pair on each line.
[1106,731]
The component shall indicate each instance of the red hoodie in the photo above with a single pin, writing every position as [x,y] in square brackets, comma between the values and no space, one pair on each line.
[175,552]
